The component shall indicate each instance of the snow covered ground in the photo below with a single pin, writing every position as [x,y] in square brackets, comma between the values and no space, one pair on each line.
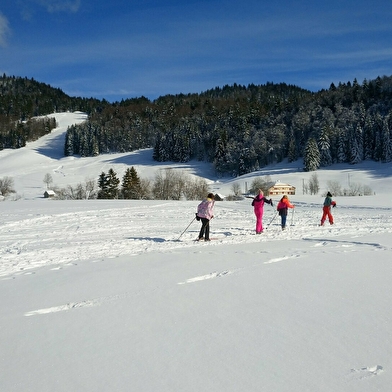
[111,296]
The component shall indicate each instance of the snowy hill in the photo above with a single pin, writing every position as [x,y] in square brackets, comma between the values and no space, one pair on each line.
[114,295]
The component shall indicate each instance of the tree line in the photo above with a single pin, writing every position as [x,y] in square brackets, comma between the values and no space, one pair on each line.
[168,184]
[24,103]
[241,129]
[237,128]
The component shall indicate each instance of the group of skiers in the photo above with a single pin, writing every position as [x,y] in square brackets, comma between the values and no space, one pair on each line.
[205,212]
[258,207]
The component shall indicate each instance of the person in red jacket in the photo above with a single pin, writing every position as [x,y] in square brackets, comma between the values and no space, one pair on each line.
[283,206]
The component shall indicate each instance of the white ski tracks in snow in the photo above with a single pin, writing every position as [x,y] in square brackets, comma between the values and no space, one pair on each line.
[61,233]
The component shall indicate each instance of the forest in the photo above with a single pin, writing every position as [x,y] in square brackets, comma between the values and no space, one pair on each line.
[239,129]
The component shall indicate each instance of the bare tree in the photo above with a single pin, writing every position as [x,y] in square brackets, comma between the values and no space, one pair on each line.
[355,189]
[367,191]
[236,188]
[145,189]
[260,183]
[334,187]
[48,179]
[81,191]
[172,185]
[6,186]
[314,185]
[195,189]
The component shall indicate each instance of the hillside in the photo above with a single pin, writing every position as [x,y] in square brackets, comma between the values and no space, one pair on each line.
[28,166]
[238,129]
[105,295]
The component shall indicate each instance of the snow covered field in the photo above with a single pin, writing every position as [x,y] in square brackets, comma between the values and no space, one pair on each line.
[104,295]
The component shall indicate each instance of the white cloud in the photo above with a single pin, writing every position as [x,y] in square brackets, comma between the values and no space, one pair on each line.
[4,30]
[60,5]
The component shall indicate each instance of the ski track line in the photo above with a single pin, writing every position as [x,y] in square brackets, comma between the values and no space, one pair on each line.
[94,234]
[345,243]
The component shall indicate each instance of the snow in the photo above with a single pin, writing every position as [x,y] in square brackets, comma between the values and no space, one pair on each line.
[104,295]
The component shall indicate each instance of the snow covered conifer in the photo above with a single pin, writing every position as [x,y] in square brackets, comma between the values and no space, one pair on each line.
[311,155]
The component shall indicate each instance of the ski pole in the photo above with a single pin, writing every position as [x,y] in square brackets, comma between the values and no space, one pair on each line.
[273,218]
[292,218]
[186,228]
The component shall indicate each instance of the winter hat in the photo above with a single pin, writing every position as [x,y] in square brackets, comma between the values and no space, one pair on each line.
[329,194]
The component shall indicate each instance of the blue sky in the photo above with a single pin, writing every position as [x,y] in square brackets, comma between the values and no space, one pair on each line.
[118,49]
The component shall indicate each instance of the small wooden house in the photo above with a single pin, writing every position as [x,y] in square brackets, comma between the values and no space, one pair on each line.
[49,194]
[219,197]
[280,188]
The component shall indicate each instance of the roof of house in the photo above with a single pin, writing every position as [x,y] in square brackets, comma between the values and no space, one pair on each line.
[278,184]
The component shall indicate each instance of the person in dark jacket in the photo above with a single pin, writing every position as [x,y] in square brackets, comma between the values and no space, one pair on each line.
[328,202]
[258,207]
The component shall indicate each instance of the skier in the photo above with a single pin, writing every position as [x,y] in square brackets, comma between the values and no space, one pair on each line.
[328,202]
[205,211]
[258,206]
[283,206]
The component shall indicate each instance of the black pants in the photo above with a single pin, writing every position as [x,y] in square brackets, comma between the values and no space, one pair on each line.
[205,229]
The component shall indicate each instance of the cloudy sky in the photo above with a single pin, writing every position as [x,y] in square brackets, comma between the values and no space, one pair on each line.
[116,49]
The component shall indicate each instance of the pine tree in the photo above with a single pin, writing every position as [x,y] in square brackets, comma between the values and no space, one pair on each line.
[311,156]
[292,152]
[368,138]
[113,183]
[386,143]
[356,149]
[103,184]
[126,186]
[131,185]
[342,156]
[324,147]
[68,145]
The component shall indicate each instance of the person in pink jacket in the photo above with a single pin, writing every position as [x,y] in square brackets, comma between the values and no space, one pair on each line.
[258,207]
[283,206]
[205,211]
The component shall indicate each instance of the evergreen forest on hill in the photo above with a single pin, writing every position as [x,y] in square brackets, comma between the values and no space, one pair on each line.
[237,128]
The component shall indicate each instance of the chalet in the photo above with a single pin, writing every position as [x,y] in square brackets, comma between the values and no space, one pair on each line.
[280,188]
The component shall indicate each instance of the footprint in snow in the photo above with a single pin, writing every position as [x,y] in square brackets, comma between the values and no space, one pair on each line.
[212,275]
[366,372]
[281,259]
